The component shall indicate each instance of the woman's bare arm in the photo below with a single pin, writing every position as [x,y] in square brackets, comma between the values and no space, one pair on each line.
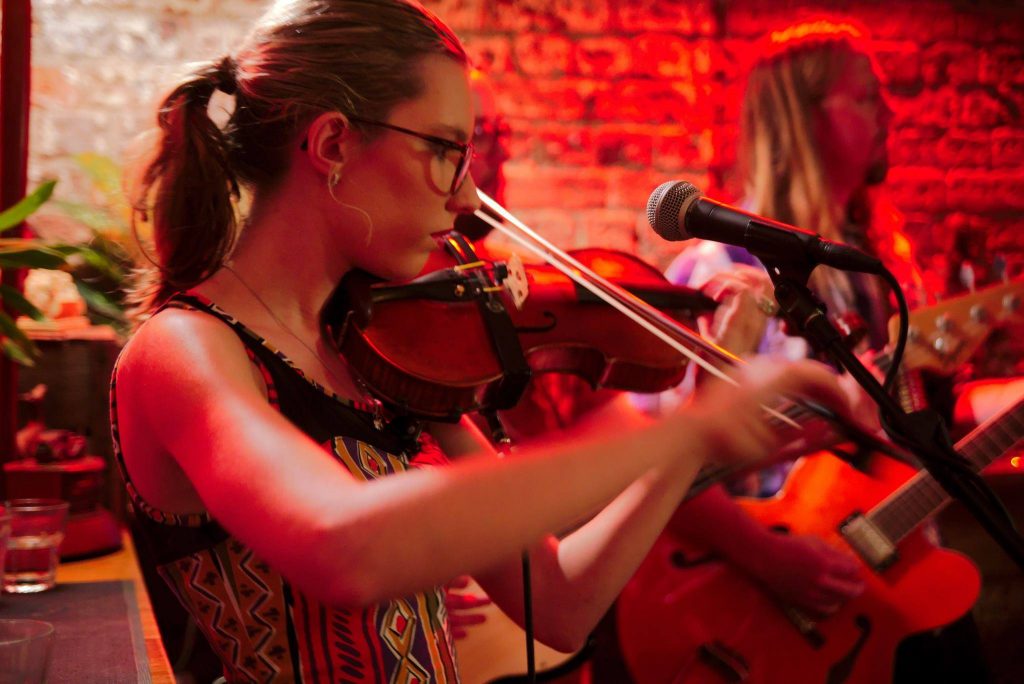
[345,541]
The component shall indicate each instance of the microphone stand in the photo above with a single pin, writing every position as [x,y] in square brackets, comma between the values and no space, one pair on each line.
[503,445]
[923,433]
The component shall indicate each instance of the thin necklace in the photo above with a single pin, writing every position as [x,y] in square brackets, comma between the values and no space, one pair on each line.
[368,399]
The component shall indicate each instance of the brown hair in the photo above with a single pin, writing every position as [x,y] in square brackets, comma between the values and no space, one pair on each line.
[303,57]
[779,158]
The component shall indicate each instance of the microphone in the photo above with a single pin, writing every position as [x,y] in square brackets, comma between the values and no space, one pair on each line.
[677,210]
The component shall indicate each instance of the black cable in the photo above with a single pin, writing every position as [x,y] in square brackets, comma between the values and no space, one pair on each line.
[503,444]
[901,338]
[531,664]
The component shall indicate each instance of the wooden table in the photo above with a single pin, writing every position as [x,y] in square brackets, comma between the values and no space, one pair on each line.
[123,565]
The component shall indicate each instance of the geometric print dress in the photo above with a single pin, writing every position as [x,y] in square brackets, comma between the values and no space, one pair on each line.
[262,628]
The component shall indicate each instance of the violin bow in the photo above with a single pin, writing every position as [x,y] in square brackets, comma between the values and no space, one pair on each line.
[659,324]
[626,303]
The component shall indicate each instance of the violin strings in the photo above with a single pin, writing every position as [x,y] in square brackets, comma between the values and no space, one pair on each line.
[611,300]
[549,253]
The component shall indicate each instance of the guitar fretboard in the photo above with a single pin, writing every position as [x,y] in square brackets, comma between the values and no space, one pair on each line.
[921,496]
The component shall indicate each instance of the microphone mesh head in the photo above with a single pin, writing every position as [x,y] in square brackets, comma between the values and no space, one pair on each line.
[667,206]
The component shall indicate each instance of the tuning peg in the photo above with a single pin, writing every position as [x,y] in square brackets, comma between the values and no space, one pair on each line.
[967,276]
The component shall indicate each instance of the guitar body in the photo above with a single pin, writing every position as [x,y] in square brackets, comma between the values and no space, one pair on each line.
[684,604]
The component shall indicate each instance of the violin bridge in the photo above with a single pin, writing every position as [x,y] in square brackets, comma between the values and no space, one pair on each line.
[515,282]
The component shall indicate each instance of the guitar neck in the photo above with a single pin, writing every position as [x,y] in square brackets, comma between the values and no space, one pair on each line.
[922,496]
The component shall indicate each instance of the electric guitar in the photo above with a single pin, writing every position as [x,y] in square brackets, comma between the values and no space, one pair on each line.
[687,617]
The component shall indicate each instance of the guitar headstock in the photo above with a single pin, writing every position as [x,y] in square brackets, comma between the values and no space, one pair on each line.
[943,336]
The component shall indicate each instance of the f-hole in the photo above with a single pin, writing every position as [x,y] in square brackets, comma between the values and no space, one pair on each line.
[841,669]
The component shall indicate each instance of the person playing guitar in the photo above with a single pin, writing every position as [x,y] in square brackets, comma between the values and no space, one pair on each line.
[814,130]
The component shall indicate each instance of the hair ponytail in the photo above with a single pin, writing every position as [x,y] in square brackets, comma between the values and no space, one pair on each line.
[188,190]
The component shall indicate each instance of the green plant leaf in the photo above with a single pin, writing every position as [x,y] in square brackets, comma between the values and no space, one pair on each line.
[19,355]
[99,261]
[91,216]
[15,300]
[20,211]
[16,344]
[23,244]
[101,303]
[29,254]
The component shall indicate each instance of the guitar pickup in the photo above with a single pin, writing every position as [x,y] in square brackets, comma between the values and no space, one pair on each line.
[874,547]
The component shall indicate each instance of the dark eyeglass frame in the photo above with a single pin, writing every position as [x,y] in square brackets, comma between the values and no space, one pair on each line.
[465,150]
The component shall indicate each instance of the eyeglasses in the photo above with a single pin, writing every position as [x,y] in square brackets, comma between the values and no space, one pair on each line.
[465,150]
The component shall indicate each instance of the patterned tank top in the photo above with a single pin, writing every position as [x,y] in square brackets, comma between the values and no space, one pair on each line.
[262,628]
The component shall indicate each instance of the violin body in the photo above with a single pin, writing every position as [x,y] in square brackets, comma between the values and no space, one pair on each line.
[419,356]
[452,342]
[565,329]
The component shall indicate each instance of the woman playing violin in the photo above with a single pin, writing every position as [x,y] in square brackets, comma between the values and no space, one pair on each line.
[282,511]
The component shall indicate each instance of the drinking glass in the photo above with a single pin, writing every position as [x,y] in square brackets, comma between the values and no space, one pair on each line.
[25,647]
[37,529]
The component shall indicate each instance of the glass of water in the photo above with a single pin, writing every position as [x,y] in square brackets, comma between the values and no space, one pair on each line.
[37,529]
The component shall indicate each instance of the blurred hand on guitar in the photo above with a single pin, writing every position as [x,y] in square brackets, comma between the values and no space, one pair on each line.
[804,572]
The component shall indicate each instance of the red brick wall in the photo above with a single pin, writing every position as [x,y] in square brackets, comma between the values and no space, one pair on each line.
[609,99]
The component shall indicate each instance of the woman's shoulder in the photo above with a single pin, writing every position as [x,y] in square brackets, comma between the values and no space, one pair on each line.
[175,339]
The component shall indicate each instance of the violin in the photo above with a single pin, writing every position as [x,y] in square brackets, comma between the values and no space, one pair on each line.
[466,337]
[447,343]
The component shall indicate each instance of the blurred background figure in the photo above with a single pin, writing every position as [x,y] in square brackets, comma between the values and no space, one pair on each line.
[813,153]
[813,133]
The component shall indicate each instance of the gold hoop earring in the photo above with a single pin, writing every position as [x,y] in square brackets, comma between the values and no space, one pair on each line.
[333,176]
